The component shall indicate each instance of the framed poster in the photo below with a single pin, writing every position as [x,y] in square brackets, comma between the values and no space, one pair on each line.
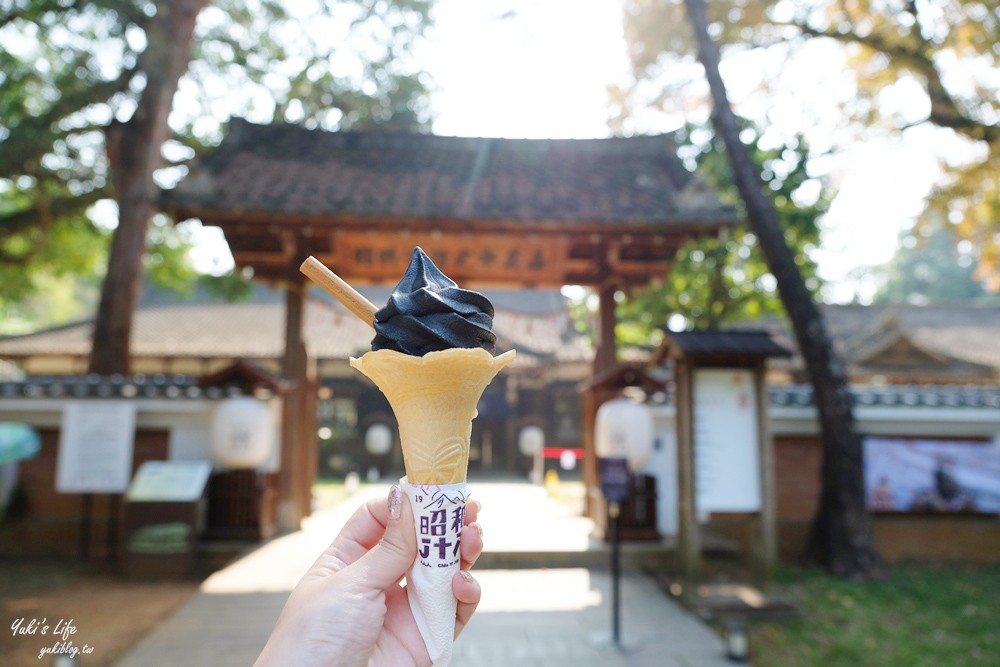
[911,475]
[95,447]
[726,460]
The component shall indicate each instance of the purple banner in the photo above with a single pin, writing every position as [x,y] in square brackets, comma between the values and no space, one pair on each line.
[903,475]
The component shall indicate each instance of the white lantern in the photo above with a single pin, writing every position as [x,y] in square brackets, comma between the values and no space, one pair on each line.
[530,440]
[378,439]
[624,429]
[242,433]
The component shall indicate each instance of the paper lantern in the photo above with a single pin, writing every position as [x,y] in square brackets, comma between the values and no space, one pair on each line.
[378,439]
[624,430]
[242,433]
[530,440]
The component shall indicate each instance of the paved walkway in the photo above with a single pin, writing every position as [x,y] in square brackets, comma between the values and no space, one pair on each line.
[550,617]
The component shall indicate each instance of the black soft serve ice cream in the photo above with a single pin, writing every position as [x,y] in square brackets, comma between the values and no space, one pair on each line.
[429,312]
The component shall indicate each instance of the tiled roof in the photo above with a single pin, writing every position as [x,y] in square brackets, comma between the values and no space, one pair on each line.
[181,387]
[256,331]
[174,387]
[958,338]
[286,169]
[745,342]
[927,396]
[962,331]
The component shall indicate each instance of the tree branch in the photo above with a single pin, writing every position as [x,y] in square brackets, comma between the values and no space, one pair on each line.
[945,109]
[19,221]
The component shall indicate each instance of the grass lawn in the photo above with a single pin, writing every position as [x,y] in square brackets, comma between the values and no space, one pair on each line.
[934,615]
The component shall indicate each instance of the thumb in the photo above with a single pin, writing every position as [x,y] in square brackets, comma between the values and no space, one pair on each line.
[389,560]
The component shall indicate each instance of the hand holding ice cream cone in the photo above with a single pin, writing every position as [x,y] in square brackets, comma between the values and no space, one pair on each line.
[432,357]
[348,609]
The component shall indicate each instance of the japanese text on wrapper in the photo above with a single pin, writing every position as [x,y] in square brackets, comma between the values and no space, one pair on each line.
[439,536]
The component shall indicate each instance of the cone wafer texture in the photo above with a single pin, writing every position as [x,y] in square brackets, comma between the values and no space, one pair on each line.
[434,398]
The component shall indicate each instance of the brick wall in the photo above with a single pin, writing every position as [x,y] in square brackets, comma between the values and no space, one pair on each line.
[797,463]
[797,476]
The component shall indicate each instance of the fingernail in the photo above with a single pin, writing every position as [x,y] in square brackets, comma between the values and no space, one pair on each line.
[479,529]
[465,575]
[479,505]
[395,502]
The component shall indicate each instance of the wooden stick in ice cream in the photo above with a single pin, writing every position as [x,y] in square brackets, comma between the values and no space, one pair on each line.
[336,287]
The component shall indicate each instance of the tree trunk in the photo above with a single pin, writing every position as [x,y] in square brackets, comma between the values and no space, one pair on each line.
[841,537]
[134,153]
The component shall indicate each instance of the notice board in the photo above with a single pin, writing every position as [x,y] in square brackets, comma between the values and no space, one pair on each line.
[95,447]
[726,456]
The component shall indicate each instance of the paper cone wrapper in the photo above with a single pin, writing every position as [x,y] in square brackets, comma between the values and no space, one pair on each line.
[434,398]
[438,516]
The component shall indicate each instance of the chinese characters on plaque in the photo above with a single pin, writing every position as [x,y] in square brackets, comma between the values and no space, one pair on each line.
[485,257]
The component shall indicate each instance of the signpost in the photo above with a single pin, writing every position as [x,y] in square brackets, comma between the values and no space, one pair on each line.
[623,439]
[614,486]
[95,456]
[164,514]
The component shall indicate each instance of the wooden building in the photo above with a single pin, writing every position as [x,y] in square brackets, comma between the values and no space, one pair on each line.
[507,213]
[495,214]
[944,388]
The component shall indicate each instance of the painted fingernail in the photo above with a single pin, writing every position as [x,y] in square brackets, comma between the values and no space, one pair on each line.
[395,502]
[479,529]
[465,575]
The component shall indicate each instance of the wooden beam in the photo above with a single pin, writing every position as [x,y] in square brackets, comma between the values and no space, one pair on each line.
[495,255]
[689,532]
[293,444]
[766,553]
[606,348]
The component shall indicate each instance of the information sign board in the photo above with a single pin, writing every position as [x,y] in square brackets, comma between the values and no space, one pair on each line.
[169,481]
[727,463]
[95,447]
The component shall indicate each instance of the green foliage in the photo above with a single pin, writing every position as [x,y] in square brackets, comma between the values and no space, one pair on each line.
[933,265]
[929,63]
[69,69]
[56,277]
[923,616]
[726,279]
[232,286]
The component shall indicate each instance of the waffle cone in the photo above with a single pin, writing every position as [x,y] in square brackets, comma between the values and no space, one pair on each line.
[434,398]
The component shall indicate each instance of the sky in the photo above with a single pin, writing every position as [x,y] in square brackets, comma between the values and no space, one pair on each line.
[524,69]
[540,69]
[521,68]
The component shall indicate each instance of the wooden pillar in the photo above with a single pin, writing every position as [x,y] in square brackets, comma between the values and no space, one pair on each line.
[689,533]
[308,438]
[592,398]
[591,482]
[606,350]
[512,394]
[766,553]
[295,369]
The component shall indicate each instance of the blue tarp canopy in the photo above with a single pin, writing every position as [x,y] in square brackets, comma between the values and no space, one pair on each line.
[17,442]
